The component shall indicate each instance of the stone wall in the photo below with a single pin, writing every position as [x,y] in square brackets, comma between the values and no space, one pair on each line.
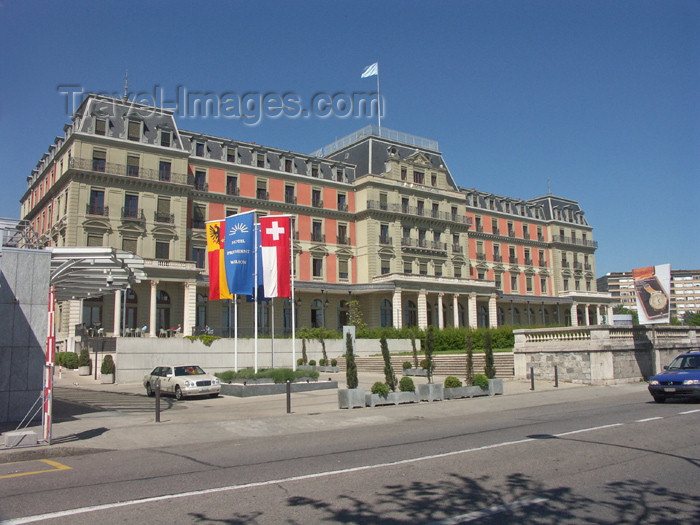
[24,289]
[600,354]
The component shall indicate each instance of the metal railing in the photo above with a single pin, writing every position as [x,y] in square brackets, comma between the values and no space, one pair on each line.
[112,168]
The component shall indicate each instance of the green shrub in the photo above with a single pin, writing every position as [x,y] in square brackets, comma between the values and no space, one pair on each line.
[67,359]
[481,380]
[470,359]
[429,349]
[489,367]
[84,358]
[321,362]
[351,365]
[278,375]
[389,374]
[406,385]
[107,365]
[334,362]
[407,365]
[312,362]
[206,340]
[424,363]
[300,361]
[452,382]
[380,388]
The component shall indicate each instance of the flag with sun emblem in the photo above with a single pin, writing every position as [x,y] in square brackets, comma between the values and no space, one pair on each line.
[218,289]
[239,253]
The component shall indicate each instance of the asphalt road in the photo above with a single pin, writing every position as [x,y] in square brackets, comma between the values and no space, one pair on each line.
[611,458]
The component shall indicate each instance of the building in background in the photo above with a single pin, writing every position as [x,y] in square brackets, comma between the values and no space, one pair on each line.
[684,293]
[377,218]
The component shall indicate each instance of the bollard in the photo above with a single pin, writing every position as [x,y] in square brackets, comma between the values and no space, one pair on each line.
[532,378]
[289,397]
[556,376]
[158,401]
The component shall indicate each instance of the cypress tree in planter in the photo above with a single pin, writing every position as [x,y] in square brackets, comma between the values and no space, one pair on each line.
[470,359]
[389,374]
[489,368]
[351,372]
[107,369]
[431,391]
[350,397]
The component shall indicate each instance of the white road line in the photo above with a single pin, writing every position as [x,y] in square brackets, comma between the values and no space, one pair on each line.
[495,509]
[648,419]
[94,508]
[689,412]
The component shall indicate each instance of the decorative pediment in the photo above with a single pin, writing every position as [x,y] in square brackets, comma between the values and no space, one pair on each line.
[171,233]
[419,158]
[101,225]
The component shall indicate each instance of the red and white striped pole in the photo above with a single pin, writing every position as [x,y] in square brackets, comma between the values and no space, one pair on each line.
[48,369]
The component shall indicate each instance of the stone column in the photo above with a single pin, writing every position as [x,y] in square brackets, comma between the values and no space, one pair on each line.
[189,307]
[455,310]
[117,312]
[397,312]
[152,313]
[587,315]
[422,310]
[473,320]
[574,314]
[493,311]
[441,317]
[609,309]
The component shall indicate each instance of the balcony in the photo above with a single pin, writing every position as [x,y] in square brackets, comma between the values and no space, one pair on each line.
[167,218]
[198,224]
[317,203]
[513,260]
[232,190]
[528,261]
[497,258]
[342,206]
[97,209]
[133,214]
[480,256]
[262,195]
[111,168]
[290,199]
[573,240]
[412,210]
[385,239]
[456,248]
[343,239]
[317,237]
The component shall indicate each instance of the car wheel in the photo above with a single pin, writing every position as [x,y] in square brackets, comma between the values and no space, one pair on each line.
[178,393]
[659,399]
[149,390]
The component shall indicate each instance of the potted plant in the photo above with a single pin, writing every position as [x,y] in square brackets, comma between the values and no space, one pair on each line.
[352,396]
[495,385]
[389,374]
[382,396]
[430,391]
[107,370]
[84,363]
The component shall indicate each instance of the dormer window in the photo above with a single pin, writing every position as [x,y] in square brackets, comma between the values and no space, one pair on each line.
[199,149]
[134,131]
[314,170]
[288,165]
[260,160]
[231,154]
[165,138]
[100,126]
[339,175]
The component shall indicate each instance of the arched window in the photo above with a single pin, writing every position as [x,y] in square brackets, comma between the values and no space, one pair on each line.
[386,314]
[411,314]
[162,310]
[483,316]
[343,314]
[316,313]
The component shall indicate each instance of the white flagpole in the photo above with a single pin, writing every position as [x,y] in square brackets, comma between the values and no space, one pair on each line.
[379,104]
[235,333]
[272,329]
[255,292]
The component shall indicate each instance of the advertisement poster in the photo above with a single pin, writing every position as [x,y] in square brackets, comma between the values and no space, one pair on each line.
[653,286]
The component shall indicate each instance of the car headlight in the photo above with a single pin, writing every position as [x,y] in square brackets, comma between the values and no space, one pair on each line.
[216,381]
[188,383]
[691,382]
[653,382]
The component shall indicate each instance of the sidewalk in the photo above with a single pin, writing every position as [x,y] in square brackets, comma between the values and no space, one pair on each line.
[128,422]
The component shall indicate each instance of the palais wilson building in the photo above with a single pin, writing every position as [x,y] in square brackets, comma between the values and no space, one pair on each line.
[377,215]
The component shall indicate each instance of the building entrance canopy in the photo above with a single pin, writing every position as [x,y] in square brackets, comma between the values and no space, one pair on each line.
[81,273]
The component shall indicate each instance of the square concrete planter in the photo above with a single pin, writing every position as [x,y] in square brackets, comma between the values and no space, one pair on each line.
[431,392]
[351,397]
[84,370]
[107,379]
[495,387]
[392,398]
[465,391]
[329,369]
[415,372]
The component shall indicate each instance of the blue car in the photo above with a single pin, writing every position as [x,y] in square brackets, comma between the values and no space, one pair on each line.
[680,379]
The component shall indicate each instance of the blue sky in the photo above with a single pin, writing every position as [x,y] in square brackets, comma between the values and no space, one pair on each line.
[600,99]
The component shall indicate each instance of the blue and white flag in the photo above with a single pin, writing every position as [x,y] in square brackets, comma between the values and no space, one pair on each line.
[239,253]
[371,70]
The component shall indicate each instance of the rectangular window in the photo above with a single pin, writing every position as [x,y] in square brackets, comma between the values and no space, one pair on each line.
[316,201]
[260,160]
[200,180]
[163,210]
[94,239]
[435,210]
[198,256]
[543,285]
[340,175]
[162,250]
[423,268]
[132,166]
[526,231]
[314,170]
[134,132]
[407,268]
[499,282]
[317,265]
[418,177]
[404,205]
[100,126]
[433,179]
[289,196]
[342,205]
[528,284]
[343,269]
[458,271]
[403,173]
[164,171]
[288,165]
[513,283]
[99,160]
[421,208]
[261,191]
[199,149]
[97,203]
[131,206]
[343,234]
[316,231]
[198,216]
[129,244]
[231,185]
[165,139]
[384,234]
[385,266]
[494,226]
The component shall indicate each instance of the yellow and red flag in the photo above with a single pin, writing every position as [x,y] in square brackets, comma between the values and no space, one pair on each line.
[218,289]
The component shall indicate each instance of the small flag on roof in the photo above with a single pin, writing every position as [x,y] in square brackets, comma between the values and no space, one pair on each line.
[371,70]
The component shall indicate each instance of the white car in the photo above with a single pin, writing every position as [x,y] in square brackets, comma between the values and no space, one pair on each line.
[182,381]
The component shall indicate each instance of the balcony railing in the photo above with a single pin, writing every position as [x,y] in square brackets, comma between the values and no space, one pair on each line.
[97,209]
[513,260]
[135,214]
[423,244]
[342,206]
[413,210]
[159,216]
[290,199]
[198,224]
[318,237]
[317,203]
[112,168]
[498,258]
[343,239]
[232,190]
[385,239]
[574,240]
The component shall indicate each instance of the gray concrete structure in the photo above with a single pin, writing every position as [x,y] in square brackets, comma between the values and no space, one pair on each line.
[24,288]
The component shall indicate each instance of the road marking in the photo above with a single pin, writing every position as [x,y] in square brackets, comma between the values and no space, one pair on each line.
[495,509]
[648,419]
[689,412]
[55,464]
[230,488]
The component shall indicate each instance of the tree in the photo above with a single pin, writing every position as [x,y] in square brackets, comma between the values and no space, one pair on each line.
[355,316]
[691,318]
[389,374]
[489,367]
[351,366]
[470,359]
[413,346]
[429,348]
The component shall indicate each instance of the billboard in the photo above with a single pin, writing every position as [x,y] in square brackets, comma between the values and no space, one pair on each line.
[653,286]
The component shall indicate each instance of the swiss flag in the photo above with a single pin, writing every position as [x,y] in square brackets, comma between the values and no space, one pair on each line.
[275,238]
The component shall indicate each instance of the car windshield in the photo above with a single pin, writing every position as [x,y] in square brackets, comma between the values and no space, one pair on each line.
[188,371]
[685,362]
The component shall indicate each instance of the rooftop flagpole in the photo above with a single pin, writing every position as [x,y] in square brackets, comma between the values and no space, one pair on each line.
[379,104]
